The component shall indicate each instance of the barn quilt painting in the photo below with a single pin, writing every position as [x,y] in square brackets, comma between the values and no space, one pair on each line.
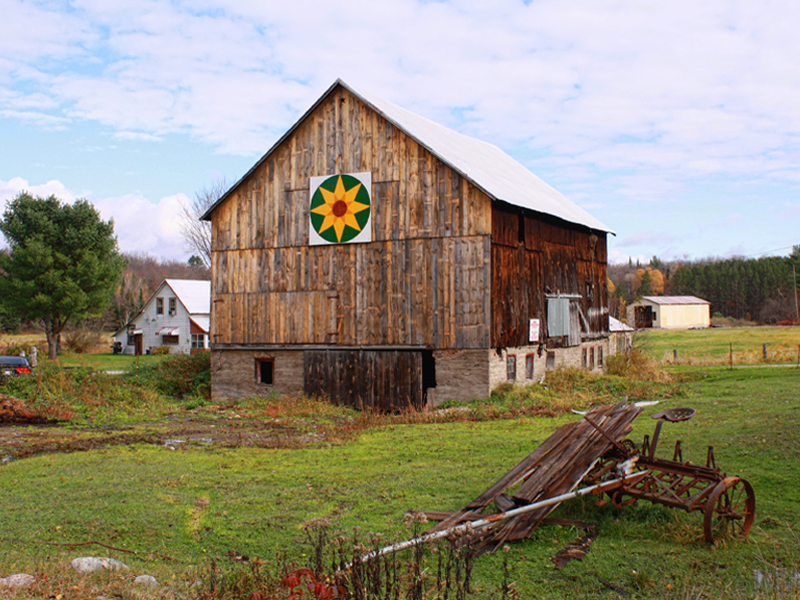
[340,209]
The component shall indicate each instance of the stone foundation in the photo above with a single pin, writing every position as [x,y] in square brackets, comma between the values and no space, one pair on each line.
[234,375]
[561,358]
[460,375]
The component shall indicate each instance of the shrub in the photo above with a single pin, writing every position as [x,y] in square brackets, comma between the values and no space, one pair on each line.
[82,340]
[180,376]
[160,350]
[635,364]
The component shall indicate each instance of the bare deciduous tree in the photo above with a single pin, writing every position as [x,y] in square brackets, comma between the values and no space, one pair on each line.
[197,233]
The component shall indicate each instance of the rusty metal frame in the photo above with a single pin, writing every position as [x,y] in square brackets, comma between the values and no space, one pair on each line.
[728,503]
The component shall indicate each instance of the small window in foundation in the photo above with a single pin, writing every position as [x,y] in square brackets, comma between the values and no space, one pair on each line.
[600,356]
[265,370]
[511,367]
[550,362]
[591,358]
[583,358]
[529,366]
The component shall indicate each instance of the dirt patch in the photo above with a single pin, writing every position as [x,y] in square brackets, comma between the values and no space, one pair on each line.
[21,439]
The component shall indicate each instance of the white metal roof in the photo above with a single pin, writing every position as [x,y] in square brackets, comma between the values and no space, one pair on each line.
[615,325]
[195,295]
[675,300]
[484,164]
[488,167]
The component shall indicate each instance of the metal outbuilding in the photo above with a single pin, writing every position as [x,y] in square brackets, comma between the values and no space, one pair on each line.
[670,312]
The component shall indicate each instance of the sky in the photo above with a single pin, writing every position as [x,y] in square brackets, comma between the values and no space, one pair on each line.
[676,124]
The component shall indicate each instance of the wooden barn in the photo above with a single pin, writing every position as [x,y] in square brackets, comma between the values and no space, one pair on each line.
[382,260]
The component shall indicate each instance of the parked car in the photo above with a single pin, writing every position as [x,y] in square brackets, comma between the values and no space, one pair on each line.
[14,366]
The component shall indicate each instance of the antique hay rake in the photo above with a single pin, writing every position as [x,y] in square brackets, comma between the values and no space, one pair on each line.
[728,503]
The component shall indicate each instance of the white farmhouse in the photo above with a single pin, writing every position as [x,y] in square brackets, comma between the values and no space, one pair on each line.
[177,316]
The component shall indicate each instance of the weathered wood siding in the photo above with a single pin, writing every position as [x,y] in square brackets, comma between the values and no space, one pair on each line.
[533,256]
[424,280]
[384,380]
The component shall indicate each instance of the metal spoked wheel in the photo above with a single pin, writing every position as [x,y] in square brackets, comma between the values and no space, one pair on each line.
[730,509]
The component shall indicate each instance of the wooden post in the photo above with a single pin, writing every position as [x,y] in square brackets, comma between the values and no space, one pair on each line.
[675,356]
[731,355]
[764,350]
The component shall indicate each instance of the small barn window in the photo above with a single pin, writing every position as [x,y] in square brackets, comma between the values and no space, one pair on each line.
[511,367]
[159,306]
[529,366]
[550,362]
[265,369]
[599,356]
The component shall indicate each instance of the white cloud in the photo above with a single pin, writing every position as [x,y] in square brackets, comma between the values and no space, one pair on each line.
[13,187]
[143,226]
[140,225]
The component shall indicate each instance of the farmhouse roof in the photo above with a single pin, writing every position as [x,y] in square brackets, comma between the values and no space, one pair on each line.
[195,295]
[675,300]
[484,164]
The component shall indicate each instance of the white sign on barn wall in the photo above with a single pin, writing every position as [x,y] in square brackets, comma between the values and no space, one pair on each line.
[340,209]
[533,330]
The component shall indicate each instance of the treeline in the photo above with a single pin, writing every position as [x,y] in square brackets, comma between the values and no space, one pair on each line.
[761,290]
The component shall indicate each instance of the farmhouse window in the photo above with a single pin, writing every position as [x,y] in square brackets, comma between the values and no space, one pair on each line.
[529,366]
[170,340]
[159,306]
[173,307]
[198,340]
[265,368]
[131,339]
[511,367]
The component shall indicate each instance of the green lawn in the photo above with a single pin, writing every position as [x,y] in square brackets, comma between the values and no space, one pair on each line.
[108,361]
[179,509]
[698,345]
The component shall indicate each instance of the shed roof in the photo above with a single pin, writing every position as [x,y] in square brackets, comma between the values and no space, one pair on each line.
[616,326]
[675,300]
[484,164]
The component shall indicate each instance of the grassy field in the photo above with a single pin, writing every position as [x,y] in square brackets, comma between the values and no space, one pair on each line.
[713,346]
[187,515]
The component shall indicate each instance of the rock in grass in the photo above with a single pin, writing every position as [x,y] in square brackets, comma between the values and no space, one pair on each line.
[17,580]
[147,580]
[90,564]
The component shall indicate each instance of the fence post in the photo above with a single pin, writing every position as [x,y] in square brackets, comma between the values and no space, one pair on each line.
[675,356]
[731,355]
[764,351]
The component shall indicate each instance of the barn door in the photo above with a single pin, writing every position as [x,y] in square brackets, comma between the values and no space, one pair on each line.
[386,380]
